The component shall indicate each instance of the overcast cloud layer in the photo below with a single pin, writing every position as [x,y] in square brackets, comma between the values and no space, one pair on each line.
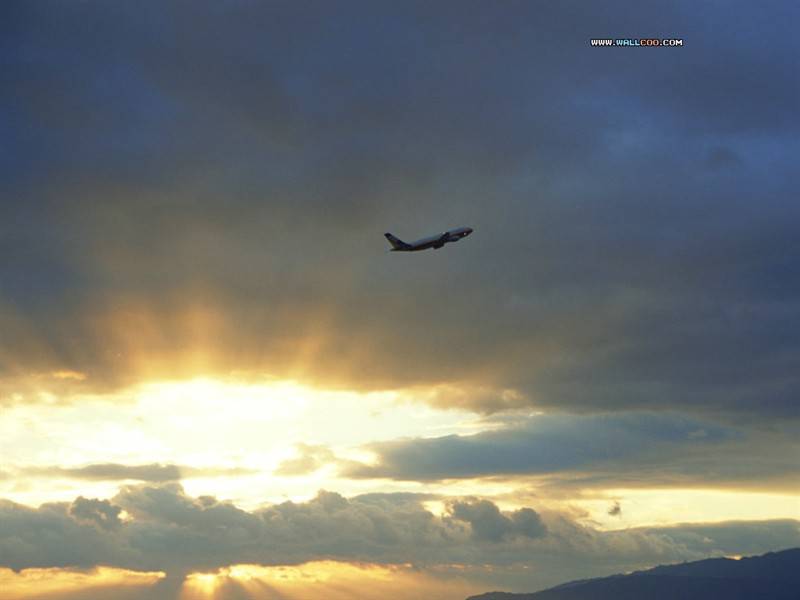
[181,174]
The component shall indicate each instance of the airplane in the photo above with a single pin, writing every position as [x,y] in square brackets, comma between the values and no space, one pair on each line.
[435,241]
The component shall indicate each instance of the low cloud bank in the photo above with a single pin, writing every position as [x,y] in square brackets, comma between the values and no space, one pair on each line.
[161,528]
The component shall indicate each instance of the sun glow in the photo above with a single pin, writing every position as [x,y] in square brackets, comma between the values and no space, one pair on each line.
[226,436]
[17,586]
[202,585]
[323,579]
[276,399]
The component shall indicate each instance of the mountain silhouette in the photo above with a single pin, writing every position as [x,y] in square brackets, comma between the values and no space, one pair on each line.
[772,576]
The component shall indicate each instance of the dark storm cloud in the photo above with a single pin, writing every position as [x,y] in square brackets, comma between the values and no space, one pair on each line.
[116,472]
[568,452]
[104,514]
[547,444]
[489,524]
[634,208]
[166,530]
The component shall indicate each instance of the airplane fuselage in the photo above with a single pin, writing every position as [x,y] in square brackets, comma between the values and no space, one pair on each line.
[434,241]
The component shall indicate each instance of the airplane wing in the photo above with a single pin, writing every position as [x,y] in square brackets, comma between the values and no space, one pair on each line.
[444,238]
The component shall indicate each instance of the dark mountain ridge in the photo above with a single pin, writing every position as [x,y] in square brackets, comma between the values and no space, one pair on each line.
[772,576]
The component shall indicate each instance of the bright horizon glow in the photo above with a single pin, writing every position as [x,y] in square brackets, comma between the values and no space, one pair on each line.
[330,579]
[206,423]
[317,579]
[22,585]
[250,428]
[667,506]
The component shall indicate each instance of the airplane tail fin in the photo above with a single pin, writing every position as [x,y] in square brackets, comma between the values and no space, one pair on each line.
[397,243]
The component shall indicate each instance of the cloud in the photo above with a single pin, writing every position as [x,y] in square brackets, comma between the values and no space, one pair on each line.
[153,472]
[111,471]
[489,524]
[100,512]
[166,530]
[169,220]
[550,444]
[310,459]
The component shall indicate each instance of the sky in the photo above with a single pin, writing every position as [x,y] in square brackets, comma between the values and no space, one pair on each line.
[217,384]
